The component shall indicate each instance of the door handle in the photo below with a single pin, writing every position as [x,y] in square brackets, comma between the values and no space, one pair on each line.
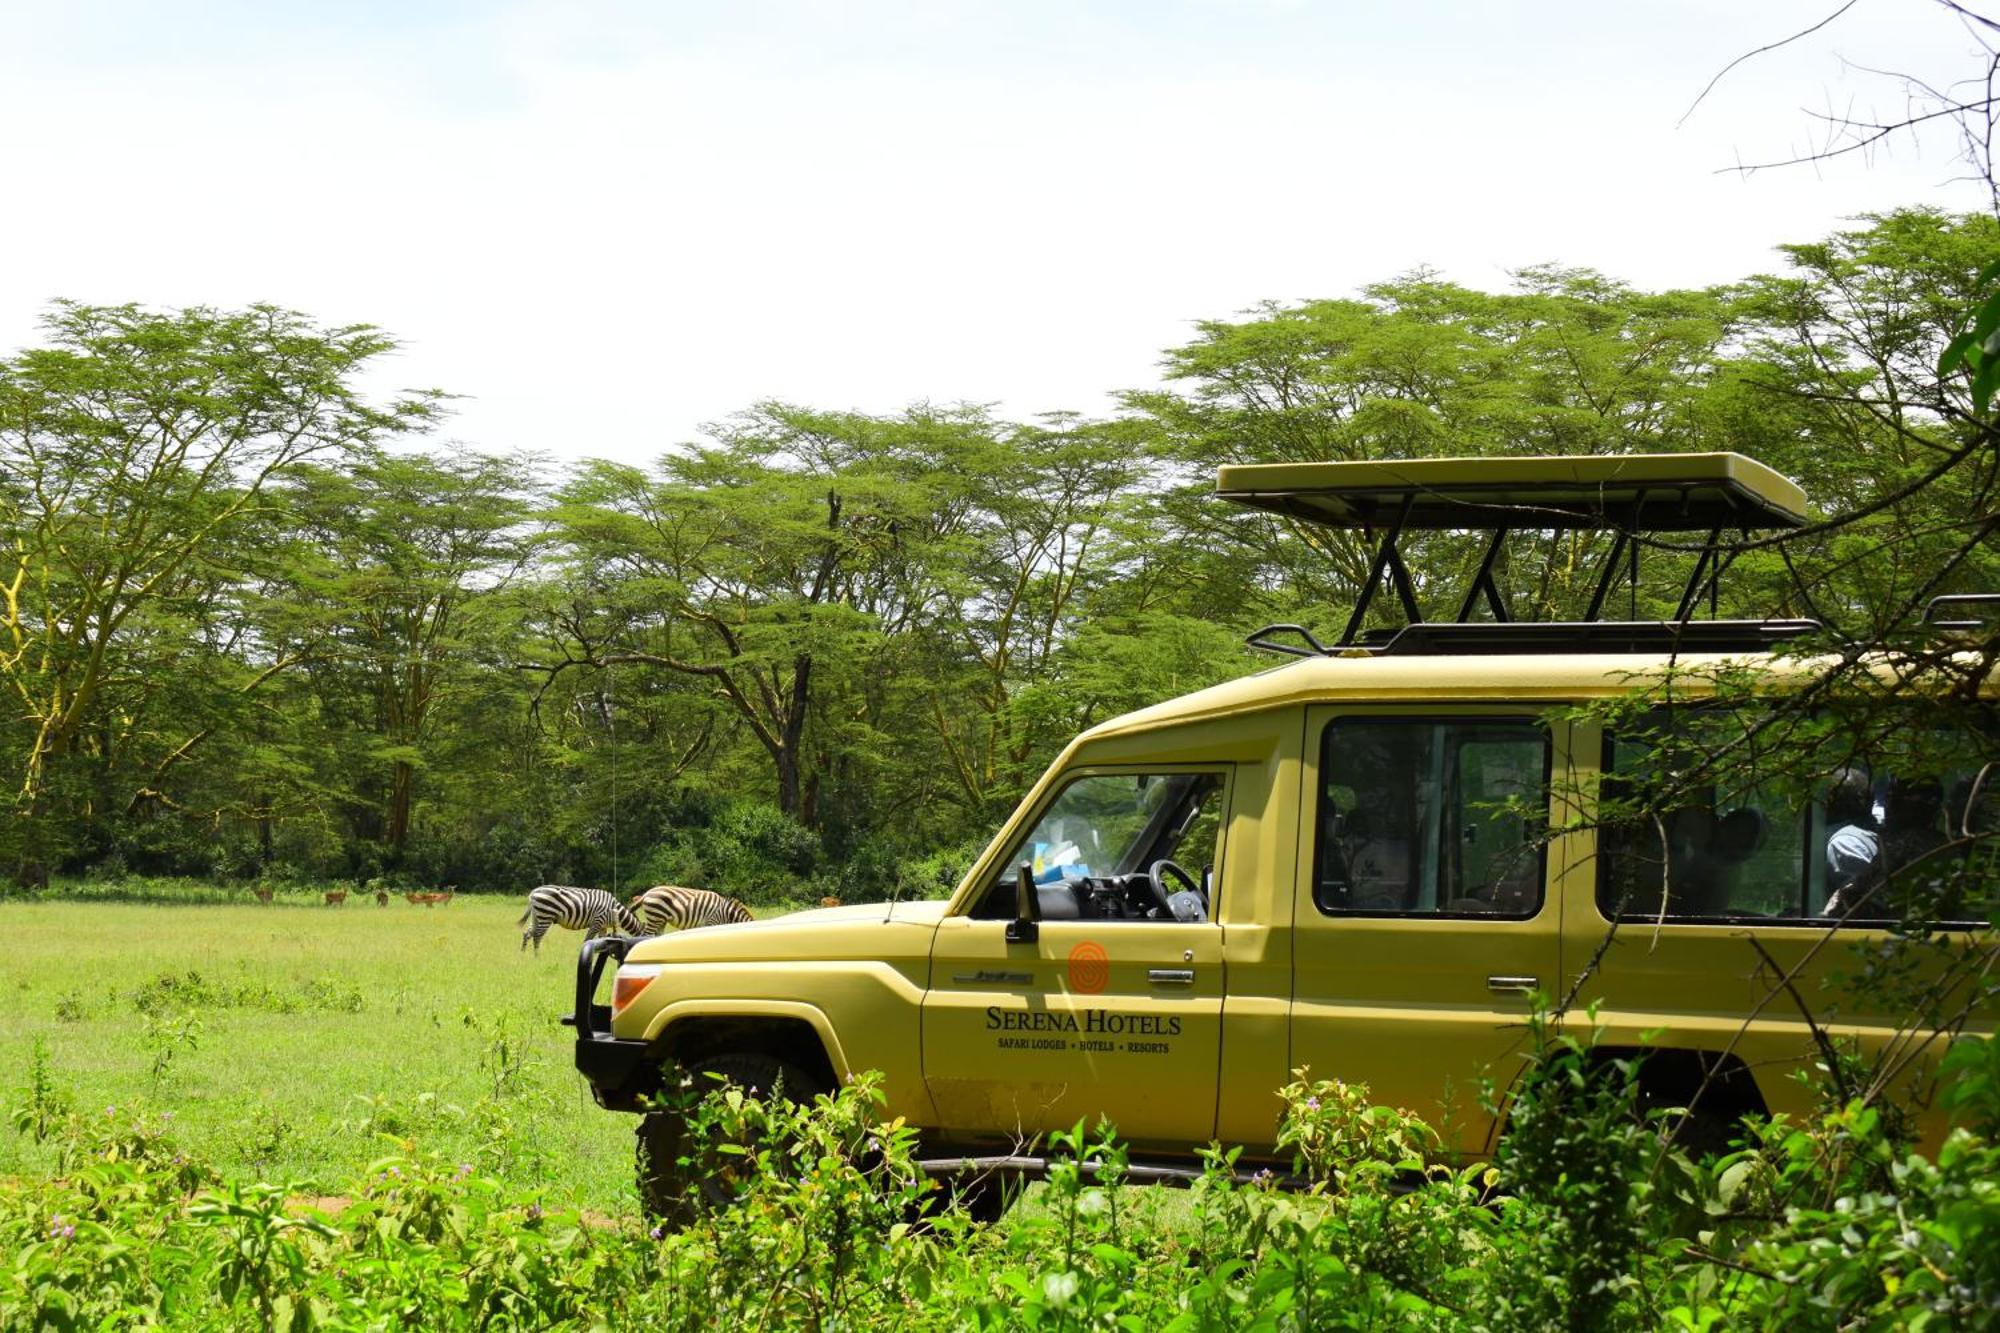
[1170,976]
[1512,985]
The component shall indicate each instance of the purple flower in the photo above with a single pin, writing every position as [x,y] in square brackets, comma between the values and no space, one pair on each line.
[534,1212]
[1312,1103]
[658,1233]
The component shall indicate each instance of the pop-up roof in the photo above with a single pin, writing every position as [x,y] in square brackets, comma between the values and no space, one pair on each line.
[1633,493]
[1628,494]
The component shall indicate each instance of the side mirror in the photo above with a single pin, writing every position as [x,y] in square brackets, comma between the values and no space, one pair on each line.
[1025,928]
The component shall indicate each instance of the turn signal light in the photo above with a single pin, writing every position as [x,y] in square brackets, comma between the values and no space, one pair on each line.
[628,982]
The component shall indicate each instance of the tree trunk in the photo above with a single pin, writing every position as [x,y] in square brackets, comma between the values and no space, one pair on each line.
[787,762]
[402,787]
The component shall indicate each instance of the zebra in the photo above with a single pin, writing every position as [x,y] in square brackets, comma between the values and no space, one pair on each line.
[666,905]
[592,911]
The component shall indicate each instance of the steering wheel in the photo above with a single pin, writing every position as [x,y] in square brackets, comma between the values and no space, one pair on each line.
[1156,879]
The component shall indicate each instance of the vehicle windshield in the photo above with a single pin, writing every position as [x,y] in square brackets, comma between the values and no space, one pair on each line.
[1118,824]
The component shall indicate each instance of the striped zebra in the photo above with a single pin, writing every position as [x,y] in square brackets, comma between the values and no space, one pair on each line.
[592,911]
[670,905]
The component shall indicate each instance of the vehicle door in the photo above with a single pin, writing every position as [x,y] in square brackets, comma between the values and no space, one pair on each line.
[1751,913]
[1114,1009]
[1431,912]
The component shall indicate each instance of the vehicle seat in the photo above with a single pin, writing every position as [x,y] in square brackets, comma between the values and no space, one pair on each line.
[1704,884]
[1059,901]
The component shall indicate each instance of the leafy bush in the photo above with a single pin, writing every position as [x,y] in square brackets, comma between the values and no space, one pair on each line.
[749,850]
[824,1221]
[189,990]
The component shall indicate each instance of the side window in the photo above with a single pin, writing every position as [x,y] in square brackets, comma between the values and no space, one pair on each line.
[1725,855]
[1850,840]
[1094,848]
[1430,817]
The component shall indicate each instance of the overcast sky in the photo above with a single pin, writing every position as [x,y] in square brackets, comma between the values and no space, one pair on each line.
[605,224]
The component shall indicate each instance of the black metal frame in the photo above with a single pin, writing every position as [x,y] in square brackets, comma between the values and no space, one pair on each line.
[1388,558]
[1262,639]
[1591,636]
[1505,634]
[589,1018]
[619,1072]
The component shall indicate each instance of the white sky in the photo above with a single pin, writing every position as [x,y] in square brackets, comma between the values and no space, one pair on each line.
[607,223]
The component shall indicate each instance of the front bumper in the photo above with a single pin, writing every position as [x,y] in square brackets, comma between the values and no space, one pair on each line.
[620,1072]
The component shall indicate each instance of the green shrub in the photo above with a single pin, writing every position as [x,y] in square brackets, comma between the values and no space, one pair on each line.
[749,850]
[824,1221]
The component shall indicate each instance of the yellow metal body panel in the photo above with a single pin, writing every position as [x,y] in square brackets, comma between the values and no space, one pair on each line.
[1405,1005]
[1021,1039]
[1721,987]
[856,974]
[979,1039]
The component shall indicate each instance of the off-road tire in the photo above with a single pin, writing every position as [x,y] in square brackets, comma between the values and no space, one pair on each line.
[672,1186]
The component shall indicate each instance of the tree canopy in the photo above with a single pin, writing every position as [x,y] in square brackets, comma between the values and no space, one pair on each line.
[254,624]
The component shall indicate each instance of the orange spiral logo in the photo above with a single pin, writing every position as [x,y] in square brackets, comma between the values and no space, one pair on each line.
[1089,968]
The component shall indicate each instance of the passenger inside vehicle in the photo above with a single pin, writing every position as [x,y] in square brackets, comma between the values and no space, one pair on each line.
[1853,844]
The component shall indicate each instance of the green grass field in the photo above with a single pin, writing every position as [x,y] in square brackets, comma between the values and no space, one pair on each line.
[295,1044]
[287,1039]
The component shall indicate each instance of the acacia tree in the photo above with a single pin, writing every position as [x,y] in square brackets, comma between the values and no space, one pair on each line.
[1569,362]
[769,564]
[397,555]
[1037,542]
[1843,376]
[134,447]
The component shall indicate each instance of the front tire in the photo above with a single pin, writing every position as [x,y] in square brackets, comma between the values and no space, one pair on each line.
[675,1185]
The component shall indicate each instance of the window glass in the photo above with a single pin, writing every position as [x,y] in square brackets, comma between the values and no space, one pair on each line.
[1093,850]
[1421,816]
[1723,854]
[1849,837]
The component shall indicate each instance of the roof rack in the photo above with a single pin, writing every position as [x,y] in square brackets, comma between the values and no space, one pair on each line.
[1627,494]
[1588,636]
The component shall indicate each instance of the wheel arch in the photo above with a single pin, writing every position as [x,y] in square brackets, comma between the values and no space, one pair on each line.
[795,1032]
[1706,1082]
[1715,1084]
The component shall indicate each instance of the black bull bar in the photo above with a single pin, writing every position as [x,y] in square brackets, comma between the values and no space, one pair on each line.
[619,1072]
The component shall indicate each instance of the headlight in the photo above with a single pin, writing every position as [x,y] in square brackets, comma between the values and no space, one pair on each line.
[628,981]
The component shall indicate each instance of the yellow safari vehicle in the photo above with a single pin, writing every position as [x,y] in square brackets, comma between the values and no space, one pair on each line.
[1364,861]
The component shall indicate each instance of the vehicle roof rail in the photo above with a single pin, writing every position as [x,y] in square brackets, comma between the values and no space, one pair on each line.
[1949,611]
[1265,638]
